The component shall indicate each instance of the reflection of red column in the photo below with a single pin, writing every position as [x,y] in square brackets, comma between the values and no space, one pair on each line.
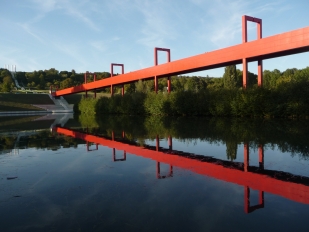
[158,170]
[170,174]
[121,159]
[261,156]
[157,143]
[171,170]
[261,199]
[170,143]
[113,135]
[96,147]
[246,156]
[247,199]
[248,207]
[123,134]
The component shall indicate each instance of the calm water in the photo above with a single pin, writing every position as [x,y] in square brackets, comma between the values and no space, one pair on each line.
[175,175]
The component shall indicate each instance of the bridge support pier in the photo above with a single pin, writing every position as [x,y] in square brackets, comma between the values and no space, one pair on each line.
[245,19]
[112,74]
[156,84]
[260,73]
[244,73]
[156,63]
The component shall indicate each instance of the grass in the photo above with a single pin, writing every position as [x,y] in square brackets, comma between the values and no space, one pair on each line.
[76,98]
[23,102]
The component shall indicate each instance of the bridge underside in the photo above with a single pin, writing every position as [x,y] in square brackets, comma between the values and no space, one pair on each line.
[284,44]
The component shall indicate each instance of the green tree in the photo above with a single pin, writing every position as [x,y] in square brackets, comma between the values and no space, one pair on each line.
[7,84]
[66,83]
[230,77]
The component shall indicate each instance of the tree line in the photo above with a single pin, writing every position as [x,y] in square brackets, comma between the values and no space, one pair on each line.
[231,79]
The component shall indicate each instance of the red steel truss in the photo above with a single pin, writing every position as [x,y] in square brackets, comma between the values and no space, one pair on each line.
[288,43]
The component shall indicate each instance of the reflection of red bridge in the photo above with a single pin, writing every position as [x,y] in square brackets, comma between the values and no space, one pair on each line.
[241,176]
[287,43]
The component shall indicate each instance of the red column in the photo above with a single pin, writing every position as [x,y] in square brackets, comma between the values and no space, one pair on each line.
[156,63]
[112,74]
[244,73]
[112,90]
[169,84]
[85,76]
[260,73]
[246,18]
[244,29]
[260,62]
[156,84]
[94,79]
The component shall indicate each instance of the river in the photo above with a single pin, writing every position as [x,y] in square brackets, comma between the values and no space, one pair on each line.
[154,174]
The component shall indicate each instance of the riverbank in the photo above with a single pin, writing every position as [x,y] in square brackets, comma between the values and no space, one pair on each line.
[35,104]
[288,102]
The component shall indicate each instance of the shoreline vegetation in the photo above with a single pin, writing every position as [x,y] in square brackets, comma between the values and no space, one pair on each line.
[290,102]
[284,94]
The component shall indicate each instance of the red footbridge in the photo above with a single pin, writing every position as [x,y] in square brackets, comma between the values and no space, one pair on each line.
[288,43]
[293,187]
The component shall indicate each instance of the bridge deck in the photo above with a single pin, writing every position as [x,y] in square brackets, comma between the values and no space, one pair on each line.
[288,43]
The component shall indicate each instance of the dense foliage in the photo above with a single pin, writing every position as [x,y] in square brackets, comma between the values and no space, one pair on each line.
[6,82]
[284,94]
[64,79]
[290,101]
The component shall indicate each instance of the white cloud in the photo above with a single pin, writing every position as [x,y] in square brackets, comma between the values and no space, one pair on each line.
[99,45]
[157,26]
[26,27]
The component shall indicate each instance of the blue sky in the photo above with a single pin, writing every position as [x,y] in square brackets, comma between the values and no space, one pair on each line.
[88,35]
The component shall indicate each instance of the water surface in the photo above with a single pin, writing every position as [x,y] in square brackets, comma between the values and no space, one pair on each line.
[157,175]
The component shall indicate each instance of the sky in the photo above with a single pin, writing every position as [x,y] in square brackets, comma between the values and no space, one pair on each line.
[89,35]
